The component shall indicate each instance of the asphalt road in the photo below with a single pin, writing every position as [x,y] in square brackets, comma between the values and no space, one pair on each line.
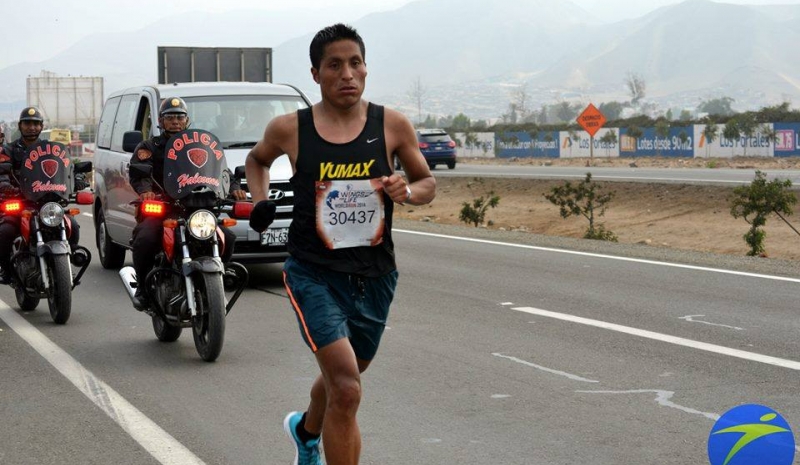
[495,354]
[678,175]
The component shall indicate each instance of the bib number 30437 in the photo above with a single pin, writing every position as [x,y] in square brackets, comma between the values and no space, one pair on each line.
[350,213]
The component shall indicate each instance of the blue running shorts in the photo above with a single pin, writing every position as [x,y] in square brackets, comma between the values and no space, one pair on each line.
[331,305]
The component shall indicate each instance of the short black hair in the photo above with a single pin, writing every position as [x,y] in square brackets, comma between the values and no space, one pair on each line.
[332,34]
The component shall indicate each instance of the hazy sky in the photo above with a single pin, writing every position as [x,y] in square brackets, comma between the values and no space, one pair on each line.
[70,20]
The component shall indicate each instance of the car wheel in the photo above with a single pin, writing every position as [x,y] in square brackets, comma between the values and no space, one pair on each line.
[451,165]
[432,166]
[112,256]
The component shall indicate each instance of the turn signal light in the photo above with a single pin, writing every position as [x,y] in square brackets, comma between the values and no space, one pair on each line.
[242,209]
[170,224]
[228,222]
[84,198]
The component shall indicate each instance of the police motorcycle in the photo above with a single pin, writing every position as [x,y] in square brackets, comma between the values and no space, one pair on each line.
[186,287]
[42,258]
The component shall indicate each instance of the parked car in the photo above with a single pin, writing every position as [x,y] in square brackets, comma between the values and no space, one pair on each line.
[437,147]
[236,112]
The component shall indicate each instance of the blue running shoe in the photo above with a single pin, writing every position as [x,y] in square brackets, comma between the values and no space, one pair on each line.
[305,454]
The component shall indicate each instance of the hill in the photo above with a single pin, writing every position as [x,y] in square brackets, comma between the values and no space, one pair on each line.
[469,54]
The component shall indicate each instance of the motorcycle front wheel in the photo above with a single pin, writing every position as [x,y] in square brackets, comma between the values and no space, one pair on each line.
[208,327]
[59,296]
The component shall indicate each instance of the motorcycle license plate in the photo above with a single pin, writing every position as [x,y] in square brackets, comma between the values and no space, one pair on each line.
[275,236]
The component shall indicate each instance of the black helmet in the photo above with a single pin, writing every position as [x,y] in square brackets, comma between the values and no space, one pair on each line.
[31,114]
[172,105]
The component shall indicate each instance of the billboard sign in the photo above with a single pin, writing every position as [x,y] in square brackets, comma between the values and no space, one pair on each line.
[757,145]
[679,142]
[576,144]
[520,144]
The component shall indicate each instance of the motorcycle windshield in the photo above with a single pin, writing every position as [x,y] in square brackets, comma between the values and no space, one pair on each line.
[46,172]
[194,163]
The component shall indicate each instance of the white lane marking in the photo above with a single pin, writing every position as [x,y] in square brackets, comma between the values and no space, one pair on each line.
[612,257]
[500,396]
[548,370]
[662,397]
[691,318]
[160,444]
[88,214]
[505,304]
[752,356]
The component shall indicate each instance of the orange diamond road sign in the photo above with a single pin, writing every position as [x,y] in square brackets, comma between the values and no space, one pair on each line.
[591,120]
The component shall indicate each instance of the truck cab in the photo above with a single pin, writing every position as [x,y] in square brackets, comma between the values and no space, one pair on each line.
[236,112]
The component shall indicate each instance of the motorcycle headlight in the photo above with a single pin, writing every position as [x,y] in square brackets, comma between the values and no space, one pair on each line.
[51,214]
[202,224]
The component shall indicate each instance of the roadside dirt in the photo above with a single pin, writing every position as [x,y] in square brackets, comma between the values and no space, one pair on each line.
[678,216]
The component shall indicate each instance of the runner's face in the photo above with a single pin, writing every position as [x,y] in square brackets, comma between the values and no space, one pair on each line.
[342,73]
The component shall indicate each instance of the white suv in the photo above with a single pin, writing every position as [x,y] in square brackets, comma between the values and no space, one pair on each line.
[236,112]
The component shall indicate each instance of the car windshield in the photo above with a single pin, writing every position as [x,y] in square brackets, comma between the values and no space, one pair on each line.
[239,120]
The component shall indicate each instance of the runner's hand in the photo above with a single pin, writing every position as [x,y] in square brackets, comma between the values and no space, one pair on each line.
[396,187]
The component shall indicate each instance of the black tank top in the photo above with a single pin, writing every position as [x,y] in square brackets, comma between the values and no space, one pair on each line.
[363,158]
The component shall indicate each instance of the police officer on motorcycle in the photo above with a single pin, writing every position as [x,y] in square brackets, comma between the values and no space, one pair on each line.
[30,127]
[173,117]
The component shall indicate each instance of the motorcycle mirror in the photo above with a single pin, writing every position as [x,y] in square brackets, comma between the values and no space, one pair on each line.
[242,210]
[84,198]
[82,167]
[130,140]
[5,168]
[239,172]
[141,169]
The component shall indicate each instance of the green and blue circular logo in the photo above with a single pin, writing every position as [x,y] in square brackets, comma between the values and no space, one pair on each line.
[751,435]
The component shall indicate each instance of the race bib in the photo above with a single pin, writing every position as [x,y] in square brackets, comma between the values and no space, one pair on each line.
[350,213]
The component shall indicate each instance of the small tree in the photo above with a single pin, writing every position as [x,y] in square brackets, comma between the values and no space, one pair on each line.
[609,139]
[662,130]
[732,132]
[461,123]
[756,202]
[718,106]
[611,110]
[710,132]
[475,212]
[583,199]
